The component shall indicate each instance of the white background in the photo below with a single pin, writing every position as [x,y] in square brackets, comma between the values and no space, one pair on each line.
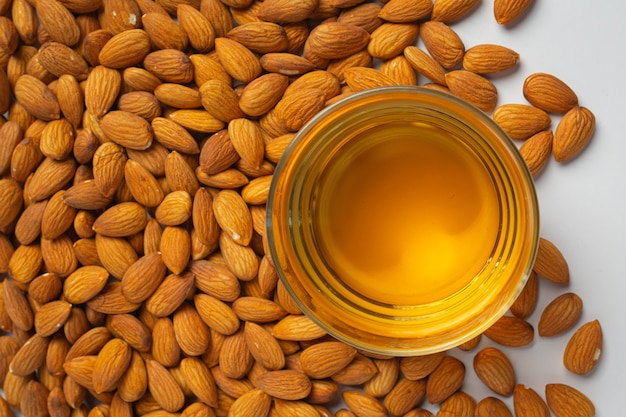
[582,201]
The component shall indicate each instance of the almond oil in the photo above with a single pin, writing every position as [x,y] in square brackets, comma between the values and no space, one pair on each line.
[402,220]
[406,214]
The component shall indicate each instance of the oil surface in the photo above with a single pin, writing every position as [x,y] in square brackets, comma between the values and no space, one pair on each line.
[406,214]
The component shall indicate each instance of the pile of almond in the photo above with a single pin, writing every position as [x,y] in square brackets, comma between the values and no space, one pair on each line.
[137,146]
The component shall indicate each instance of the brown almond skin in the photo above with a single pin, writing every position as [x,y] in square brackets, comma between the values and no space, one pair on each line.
[573,133]
[550,263]
[549,93]
[584,348]
[494,368]
[560,315]
[565,401]
[528,403]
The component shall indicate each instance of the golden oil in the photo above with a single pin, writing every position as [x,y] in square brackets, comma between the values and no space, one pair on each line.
[405,214]
[402,220]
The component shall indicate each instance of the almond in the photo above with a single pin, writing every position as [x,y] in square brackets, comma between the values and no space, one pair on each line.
[164,32]
[336,40]
[297,327]
[505,11]
[173,136]
[573,133]
[363,404]
[405,395]
[405,11]
[16,306]
[442,43]
[58,22]
[584,348]
[458,404]
[175,247]
[169,65]
[30,356]
[325,359]
[492,407]
[565,400]
[238,61]
[143,277]
[175,209]
[536,151]
[287,11]
[198,28]
[418,367]
[111,363]
[254,403]
[550,263]
[260,37]
[527,403]
[474,88]
[127,129]
[511,331]
[384,381]
[122,219]
[200,380]
[448,11]
[196,120]
[101,90]
[165,349]
[425,64]
[549,93]
[560,315]
[131,330]
[495,370]
[71,100]
[526,301]
[400,70]
[192,335]
[164,388]
[51,317]
[360,370]
[489,59]
[262,94]
[257,309]
[389,39]
[36,98]
[445,380]
[219,99]
[59,59]
[125,49]
[521,121]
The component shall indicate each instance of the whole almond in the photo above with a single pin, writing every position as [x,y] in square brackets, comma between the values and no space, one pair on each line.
[385,380]
[143,277]
[142,103]
[198,28]
[400,70]
[233,215]
[403,11]
[584,348]
[405,395]
[526,301]
[71,100]
[238,61]
[489,58]
[125,49]
[573,133]
[287,11]
[84,283]
[550,262]
[260,37]
[37,98]
[511,331]
[119,16]
[175,247]
[560,315]
[549,93]
[264,347]
[45,288]
[127,129]
[122,219]
[25,263]
[59,59]
[472,87]
[51,317]
[495,370]
[164,32]
[257,309]
[192,335]
[219,99]
[448,11]
[299,107]
[142,184]
[492,407]
[169,65]
[16,306]
[458,404]
[325,359]
[12,194]
[30,356]
[164,388]
[443,43]
[200,380]
[521,121]
[254,403]
[425,64]
[58,22]
[173,136]
[390,39]
[196,120]
[363,404]
[527,403]
[178,96]
[336,40]
[297,327]
[536,151]
[262,94]
[216,314]
[565,400]
[110,365]
[505,11]
[445,380]
[101,90]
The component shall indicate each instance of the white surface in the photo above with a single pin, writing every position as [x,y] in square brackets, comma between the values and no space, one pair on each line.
[582,202]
